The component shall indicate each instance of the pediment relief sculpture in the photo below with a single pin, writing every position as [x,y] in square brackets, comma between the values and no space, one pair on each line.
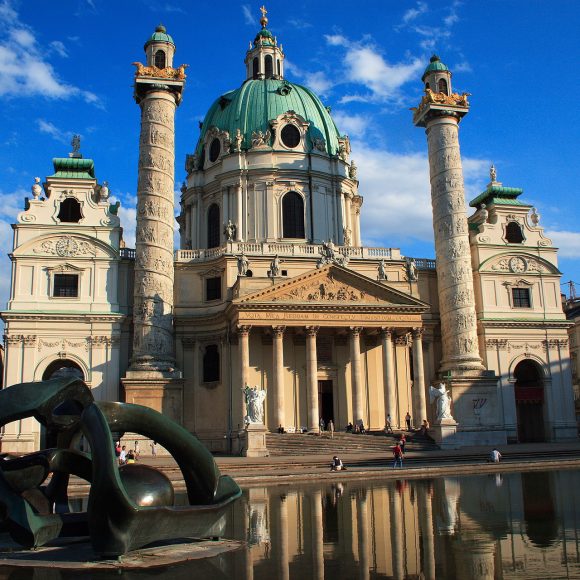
[519,264]
[65,247]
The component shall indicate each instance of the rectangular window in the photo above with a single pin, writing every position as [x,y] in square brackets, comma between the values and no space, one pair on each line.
[66,286]
[213,288]
[521,298]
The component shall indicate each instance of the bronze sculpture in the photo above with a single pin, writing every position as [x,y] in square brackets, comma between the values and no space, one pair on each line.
[127,509]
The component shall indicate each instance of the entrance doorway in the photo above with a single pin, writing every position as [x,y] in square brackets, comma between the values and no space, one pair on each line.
[529,392]
[326,401]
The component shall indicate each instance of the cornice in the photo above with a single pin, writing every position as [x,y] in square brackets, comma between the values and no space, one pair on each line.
[544,324]
[9,315]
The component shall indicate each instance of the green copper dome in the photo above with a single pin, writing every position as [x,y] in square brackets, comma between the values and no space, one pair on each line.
[435,64]
[160,35]
[257,102]
[265,36]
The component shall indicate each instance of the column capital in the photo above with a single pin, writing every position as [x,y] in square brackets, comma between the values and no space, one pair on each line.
[355,330]
[243,330]
[403,339]
[387,332]
[418,332]
[312,330]
[278,331]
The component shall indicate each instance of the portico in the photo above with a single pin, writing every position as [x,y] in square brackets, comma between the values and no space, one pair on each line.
[331,344]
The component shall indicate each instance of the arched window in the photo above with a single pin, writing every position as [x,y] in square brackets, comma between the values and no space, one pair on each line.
[213,226]
[70,211]
[278,62]
[211,364]
[63,368]
[292,215]
[442,86]
[215,150]
[427,86]
[513,233]
[255,68]
[160,59]
[269,68]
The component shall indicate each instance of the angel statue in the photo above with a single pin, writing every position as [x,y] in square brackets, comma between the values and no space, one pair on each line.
[443,398]
[254,398]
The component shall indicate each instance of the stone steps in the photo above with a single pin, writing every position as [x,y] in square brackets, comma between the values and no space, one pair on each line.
[301,444]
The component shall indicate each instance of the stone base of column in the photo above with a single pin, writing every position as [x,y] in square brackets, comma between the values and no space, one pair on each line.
[476,408]
[157,391]
[445,434]
[254,441]
[562,431]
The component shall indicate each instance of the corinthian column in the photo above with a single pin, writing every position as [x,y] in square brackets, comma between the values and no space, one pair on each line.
[312,378]
[419,408]
[389,377]
[357,390]
[278,367]
[153,288]
[244,356]
[454,274]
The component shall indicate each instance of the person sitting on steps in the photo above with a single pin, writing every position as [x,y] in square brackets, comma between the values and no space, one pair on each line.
[336,464]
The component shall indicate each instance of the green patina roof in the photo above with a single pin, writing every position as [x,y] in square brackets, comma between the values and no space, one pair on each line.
[435,64]
[499,195]
[73,168]
[160,35]
[251,108]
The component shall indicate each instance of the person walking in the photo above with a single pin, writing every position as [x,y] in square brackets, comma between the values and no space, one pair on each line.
[123,456]
[402,442]
[408,421]
[321,424]
[153,446]
[389,425]
[331,428]
[397,456]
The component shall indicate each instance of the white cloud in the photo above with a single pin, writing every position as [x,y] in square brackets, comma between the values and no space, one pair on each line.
[316,81]
[248,16]
[59,48]
[567,242]
[414,13]
[397,194]
[350,124]
[52,130]
[336,40]
[24,70]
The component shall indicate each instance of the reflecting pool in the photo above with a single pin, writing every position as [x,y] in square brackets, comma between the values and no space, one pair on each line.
[516,525]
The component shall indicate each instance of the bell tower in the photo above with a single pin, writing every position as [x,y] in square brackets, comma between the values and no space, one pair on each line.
[152,378]
[265,58]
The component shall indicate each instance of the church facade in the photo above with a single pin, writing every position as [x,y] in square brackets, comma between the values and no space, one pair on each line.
[272,288]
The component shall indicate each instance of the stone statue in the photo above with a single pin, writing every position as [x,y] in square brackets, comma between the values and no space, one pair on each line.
[275,267]
[190,162]
[104,191]
[492,173]
[483,214]
[344,148]
[230,231]
[239,140]
[243,264]
[254,398]
[36,188]
[346,232]
[535,217]
[327,250]
[319,144]
[76,144]
[328,255]
[412,274]
[352,170]
[260,139]
[442,396]
[382,270]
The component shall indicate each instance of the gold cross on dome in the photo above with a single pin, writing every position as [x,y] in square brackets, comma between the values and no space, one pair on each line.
[263,11]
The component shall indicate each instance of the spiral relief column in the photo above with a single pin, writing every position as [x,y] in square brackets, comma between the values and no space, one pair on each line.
[158,88]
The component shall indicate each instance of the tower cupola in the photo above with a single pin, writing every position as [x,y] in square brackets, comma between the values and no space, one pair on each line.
[437,77]
[265,58]
[160,49]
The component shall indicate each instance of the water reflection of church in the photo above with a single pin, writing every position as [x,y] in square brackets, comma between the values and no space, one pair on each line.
[272,285]
[492,526]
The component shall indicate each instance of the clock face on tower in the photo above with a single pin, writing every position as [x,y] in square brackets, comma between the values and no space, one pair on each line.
[67,247]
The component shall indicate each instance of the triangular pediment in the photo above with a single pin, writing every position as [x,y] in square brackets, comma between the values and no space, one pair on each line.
[332,285]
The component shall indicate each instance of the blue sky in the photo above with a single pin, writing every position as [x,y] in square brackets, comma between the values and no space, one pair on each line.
[65,67]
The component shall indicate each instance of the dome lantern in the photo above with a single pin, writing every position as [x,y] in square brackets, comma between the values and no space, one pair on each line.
[437,77]
[160,48]
[264,59]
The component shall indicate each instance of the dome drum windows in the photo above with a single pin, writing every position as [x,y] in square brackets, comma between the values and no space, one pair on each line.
[293,216]
[290,131]
[216,144]
[213,226]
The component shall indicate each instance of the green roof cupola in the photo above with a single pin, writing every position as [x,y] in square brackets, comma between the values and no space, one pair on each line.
[160,48]
[265,58]
[437,76]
